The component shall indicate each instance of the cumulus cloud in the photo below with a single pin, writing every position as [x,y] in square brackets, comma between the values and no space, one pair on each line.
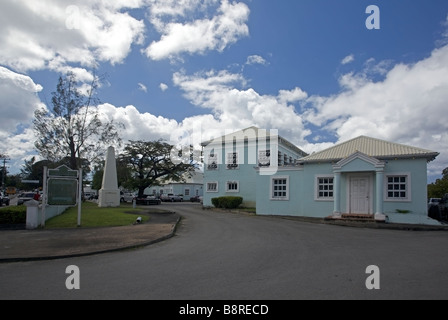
[408,106]
[54,35]
[226,27]
[234,106]
[18,101]
[18,98]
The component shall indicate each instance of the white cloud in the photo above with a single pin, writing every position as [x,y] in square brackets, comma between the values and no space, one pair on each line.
[348,59]
[239,108]
[256,59]
[294,95]
[52,34]
[163,87]
[408,106]
[18,99]
[142,87]
[200,35]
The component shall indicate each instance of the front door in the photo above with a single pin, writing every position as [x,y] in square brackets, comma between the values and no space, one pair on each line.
[360,195]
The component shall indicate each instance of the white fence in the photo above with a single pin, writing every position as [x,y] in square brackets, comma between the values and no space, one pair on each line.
[34,213]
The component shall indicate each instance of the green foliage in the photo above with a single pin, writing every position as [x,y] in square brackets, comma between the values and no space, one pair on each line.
[13,215]
[227,202]
[440,187]
[151,163]
[73,128]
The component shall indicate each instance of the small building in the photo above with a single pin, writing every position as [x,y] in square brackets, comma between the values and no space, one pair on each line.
[363,177]
[192,186]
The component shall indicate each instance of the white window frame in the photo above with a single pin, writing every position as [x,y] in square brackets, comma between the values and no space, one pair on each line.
[212,158]
[262,156]
[233,190]
[211,190]
[272,189]
[317,197]
[232,165]
[407,189]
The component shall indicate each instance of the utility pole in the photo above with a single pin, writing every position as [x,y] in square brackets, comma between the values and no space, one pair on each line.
[5,159]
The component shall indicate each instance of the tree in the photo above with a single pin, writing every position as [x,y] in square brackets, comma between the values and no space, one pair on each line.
[152,163]
[73,128]
[438,188]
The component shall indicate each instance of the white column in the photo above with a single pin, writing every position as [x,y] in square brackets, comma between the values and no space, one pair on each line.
[337,194]
[379,215]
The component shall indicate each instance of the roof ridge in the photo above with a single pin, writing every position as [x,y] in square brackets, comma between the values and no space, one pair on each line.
[371,146]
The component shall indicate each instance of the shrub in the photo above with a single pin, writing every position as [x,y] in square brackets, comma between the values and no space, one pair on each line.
[13,215]
[227,202]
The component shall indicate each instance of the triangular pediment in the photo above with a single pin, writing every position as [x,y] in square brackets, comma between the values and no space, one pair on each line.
[359,161]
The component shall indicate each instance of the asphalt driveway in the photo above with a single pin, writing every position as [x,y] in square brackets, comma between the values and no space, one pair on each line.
[232,256]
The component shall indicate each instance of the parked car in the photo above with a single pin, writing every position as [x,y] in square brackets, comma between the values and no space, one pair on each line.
[171,197]
[433,201]
[195,199]
[439,211]
[127,196]
[147,200]
[26,196]
[4,199]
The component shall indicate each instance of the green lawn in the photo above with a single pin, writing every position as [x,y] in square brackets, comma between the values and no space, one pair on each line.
[93,216]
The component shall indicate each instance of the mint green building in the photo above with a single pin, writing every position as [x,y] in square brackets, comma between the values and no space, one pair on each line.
[365,177]
[230,162]
[362,177]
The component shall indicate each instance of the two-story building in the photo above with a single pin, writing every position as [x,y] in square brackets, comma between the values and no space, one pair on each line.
[230,161]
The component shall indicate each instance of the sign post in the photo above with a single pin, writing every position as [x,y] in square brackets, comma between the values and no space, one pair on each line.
[63,187]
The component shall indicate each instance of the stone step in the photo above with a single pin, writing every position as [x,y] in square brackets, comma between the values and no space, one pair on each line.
[358,217]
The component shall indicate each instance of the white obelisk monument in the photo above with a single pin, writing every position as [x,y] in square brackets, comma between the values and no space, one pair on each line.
[109,194]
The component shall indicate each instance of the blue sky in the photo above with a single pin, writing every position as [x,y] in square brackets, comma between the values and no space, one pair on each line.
[309,68]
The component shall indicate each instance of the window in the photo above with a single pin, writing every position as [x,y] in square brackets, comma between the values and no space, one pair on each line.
[212,186]
[187,192]
[325,188]
[232,160]
[397,187]
[280,188]
[232,186]
[264,158]
[212,162]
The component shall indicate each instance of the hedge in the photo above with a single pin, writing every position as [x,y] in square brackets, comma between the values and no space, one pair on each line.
[13,215]
[227,202]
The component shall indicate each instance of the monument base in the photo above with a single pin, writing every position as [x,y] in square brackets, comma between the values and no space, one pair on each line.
[109,198]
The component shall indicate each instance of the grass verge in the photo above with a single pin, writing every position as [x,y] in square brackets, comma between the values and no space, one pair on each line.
[94,216]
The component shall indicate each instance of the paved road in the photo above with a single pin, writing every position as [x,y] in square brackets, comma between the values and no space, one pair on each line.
[228,256]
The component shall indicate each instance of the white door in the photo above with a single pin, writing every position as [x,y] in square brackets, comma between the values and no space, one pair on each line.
[359,195]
